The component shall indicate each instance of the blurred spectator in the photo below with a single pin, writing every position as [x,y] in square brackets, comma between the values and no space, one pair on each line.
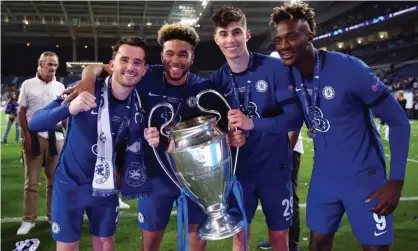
[401,99]
[40,149]
[11,112]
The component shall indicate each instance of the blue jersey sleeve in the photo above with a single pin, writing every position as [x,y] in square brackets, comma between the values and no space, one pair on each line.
[289,116]
[47,118]
[365,84]
[291,119]
[367,87]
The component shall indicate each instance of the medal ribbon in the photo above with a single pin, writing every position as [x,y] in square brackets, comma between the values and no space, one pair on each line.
[248,87]
[309,110]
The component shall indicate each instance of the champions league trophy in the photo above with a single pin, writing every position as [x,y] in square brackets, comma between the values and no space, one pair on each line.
[201,162]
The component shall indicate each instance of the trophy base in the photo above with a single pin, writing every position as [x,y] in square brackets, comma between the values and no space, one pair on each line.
[219,227]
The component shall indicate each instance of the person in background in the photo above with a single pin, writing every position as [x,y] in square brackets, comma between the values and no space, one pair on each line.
[401,100]
[11,112]
[42,148]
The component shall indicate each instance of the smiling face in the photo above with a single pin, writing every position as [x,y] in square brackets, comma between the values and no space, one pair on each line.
[128,65]
[177,58]
[232,39]
[292,38]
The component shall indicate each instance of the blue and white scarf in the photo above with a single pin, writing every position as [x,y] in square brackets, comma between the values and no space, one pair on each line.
[134,182]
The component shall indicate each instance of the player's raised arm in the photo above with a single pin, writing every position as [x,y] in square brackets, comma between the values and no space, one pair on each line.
[289,115]
[286,116]
[87,82]
[47,118]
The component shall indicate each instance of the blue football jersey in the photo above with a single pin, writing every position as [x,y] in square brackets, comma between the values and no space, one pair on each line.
[346,142]
[268,98]
[153,90]
[78,156]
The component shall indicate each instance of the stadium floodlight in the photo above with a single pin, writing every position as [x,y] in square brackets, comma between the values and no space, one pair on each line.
[131,23]
[188,21]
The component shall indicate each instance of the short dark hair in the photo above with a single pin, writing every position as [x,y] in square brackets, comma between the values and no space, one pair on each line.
[178,31]
[294,11]
[132,41]
[228,14]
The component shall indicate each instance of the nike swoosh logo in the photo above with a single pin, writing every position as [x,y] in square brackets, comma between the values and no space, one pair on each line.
[156,95]
[227,94]
[298,90]
[288,218]
[378,234]
[94,112]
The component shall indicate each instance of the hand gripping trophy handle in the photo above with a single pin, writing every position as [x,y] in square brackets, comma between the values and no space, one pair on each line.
[198,96]
[169,106]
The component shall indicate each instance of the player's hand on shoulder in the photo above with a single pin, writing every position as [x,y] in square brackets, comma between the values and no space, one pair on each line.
[388,195]
[236,138]
[87,83]
[238,119]
[84,102]
[152,136]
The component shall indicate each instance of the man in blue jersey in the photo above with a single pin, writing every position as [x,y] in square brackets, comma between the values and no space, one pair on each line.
[85,180]
[173,83]
[339,93]
[267,110]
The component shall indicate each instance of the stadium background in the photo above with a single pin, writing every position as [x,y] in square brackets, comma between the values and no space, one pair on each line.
[383,34]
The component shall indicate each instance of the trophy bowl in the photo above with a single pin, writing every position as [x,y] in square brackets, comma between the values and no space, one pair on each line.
[201,162]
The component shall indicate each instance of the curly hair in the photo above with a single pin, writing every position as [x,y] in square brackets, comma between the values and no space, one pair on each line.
[178,31]
[132,41]
[296,10]
[228,14]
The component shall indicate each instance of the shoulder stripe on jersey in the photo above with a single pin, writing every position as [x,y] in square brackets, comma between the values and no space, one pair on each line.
[379,100]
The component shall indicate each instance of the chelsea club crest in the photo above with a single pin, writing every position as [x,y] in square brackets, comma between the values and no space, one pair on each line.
[328,92]
[261,86]
[102,171]
[135,175]
[55,228]
[191,101]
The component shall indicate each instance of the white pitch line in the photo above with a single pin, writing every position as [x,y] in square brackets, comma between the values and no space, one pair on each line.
[410,160]
[131,215]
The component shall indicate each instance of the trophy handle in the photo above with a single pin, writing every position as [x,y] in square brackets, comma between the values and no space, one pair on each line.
[200,94]
[216,113]
[169,106]
[164,104]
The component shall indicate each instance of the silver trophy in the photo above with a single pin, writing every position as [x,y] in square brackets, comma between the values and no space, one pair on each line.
[201,162]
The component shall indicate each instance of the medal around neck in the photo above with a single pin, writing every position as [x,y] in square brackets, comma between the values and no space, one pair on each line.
[201,162]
